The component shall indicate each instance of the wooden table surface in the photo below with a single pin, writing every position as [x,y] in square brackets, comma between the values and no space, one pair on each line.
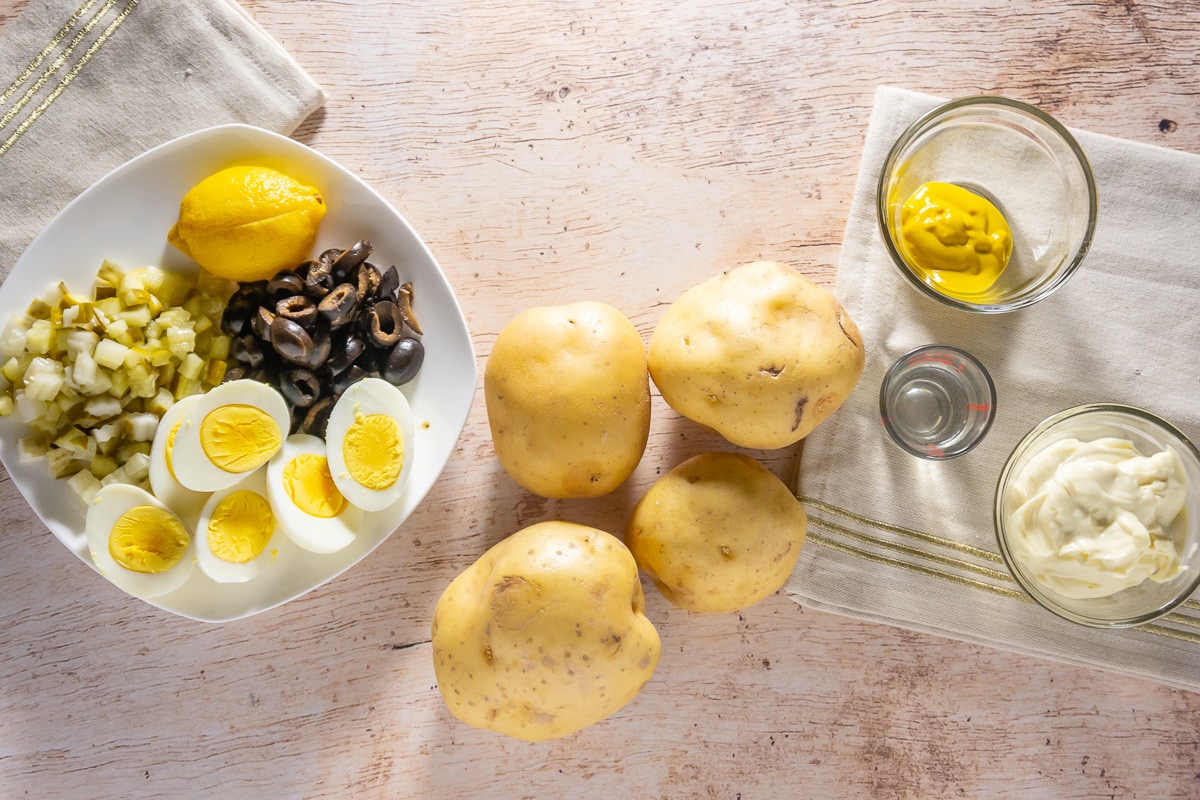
[622,151]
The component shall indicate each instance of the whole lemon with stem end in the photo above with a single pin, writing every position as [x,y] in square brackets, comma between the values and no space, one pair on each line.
[246,223]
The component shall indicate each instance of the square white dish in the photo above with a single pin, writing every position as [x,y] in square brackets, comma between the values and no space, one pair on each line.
[125,216]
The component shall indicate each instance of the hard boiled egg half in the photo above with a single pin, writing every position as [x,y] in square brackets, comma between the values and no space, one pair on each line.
[237,536]
[306,501]
[231,431]
[173,494]
[369,438]
[137,542]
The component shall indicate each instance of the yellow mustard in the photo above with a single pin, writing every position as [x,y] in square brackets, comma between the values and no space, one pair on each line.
[957,239]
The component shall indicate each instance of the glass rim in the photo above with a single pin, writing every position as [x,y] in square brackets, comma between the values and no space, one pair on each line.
[918,127]
[1030,586]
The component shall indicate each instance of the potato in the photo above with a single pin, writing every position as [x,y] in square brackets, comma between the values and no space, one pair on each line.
[719,532]
[568,399]
[759,354]
[545,634]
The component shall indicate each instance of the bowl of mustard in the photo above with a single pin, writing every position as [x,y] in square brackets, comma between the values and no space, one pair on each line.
[987,204]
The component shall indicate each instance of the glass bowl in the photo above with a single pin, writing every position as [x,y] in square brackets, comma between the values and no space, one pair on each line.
[1149,434]
[937,402]
[1021,159]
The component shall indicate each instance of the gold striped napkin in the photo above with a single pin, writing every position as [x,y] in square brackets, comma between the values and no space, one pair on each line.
[908,542]
[85,85]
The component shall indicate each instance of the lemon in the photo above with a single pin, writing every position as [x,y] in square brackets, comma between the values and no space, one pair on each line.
[247,223]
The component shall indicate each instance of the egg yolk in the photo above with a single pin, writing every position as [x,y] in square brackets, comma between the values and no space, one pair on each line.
[373,451]
[239,438]
[169,450]
[310,486]
[148,539]
[240,527]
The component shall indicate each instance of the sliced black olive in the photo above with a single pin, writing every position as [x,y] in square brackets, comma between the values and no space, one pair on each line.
[299,308]
[285,284]
[322,344]
[254,291]
[404,361]
[303,267]
[338,306]
[348,379]
[345,352]
[299,387]
[248,351]
[405,302]
[351,257]
[389,282]
[237,314]
[315,330]
[365,278]
[319,279]
[291,341]
[232,321]
[297,415]
[261,322]
[317,417]
[384,324]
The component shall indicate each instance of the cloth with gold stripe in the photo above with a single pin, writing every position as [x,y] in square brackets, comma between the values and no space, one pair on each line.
[909,542]
[85,85]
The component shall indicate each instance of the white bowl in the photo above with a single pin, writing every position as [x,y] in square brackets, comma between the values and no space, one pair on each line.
[125,217]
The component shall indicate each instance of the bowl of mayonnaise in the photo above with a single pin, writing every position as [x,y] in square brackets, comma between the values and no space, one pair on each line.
[1097,515]
[986,204]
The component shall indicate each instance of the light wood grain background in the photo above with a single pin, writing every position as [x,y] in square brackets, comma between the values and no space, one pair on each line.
[621,151]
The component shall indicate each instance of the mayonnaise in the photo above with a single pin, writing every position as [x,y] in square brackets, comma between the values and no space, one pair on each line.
[959,240]
[1089,519]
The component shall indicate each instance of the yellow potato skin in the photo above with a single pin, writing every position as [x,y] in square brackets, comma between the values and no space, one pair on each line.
[717,533]
[545,634]
[568,399]
[759,354]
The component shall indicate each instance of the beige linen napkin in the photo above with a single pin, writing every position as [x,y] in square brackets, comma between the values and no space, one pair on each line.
[85,85]
[908,542]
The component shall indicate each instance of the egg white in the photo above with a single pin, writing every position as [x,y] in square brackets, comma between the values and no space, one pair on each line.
[193,468]
[219,569]
[369,396]
[174,495]
[315,534]
[103,512]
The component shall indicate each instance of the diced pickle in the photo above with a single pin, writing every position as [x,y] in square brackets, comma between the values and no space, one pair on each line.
[62,463]
[38,309]
[31,447]
[191,366]
[40,337]
[12,343]
[110,274]
[103,465]
[12,370]
[84,484]
[215,373]
[128,349]
[161,402]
